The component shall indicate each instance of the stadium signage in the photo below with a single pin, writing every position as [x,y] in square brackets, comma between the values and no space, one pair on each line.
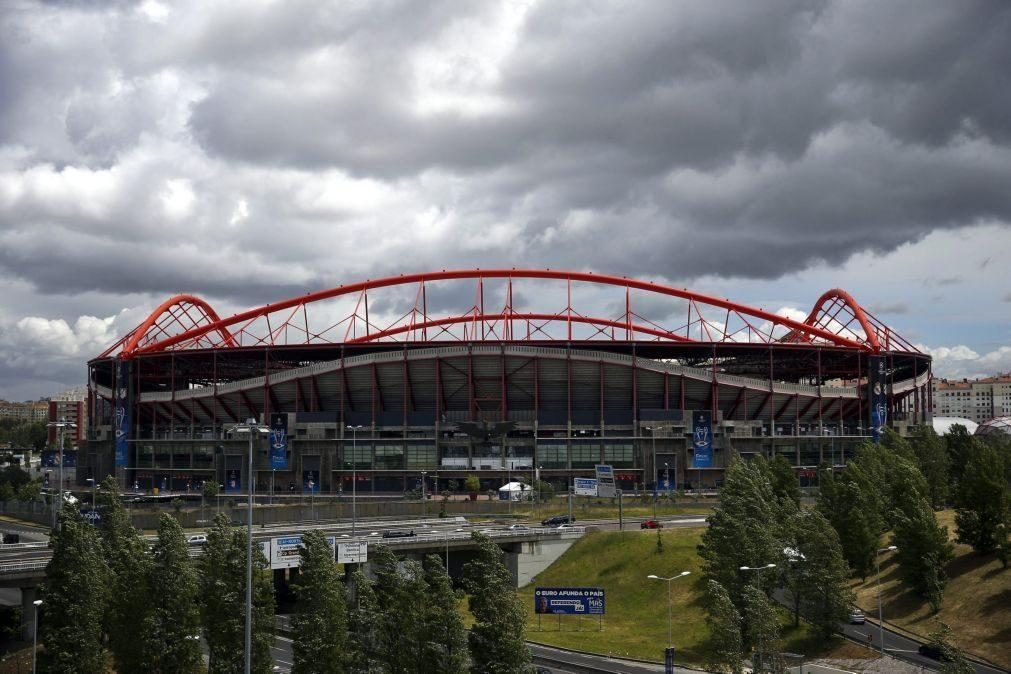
[121,422]
[585,486]
[279,441]
[877,382]
[569,600]
[605,481]
[702,439]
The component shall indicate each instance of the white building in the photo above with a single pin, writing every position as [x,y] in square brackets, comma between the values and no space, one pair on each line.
[976,399]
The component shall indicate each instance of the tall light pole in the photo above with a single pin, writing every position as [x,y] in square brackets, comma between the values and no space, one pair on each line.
[759,569]
[35,633]
[92,481]
[354,476]
[424,501]
[881,623]
[252,428]
[60,425]
[652,435]
[670,609]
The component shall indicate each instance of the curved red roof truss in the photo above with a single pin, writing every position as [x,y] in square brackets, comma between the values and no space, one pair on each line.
[401,310]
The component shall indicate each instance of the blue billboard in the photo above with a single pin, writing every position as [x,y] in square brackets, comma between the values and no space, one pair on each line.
[51,459]
[279,442]
[569,600]
[702,439]
[121,421]
[877,382]
[233,481]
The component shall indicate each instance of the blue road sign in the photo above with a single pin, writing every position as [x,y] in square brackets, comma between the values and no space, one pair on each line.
[569,600]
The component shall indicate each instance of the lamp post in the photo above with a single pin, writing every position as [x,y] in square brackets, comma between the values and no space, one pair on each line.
[759,569]
[92,481]
[60,425]
[652,435]
[455,531]
[252,428]
[35,633]
[881,624]
[354,476]
[424,501]
[670,609]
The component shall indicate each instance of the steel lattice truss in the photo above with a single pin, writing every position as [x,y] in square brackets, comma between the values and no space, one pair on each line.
[402,310]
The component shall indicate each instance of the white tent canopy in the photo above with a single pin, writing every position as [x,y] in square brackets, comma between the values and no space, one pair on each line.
[942,425]
[515,491]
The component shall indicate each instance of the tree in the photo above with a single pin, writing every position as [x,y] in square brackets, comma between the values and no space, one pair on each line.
[472,484]
[982,500]
[724,621]
[497,643]
[445,638]
[762,630]
[932,458]
[364,627]
[320,623]
[898,445]
[954,659]
[172,626]
[74,594]
[924,550]
[1004,540]
[400,594]
[129,582]
[783,479]
[959,444]
[816,573]
[223,590]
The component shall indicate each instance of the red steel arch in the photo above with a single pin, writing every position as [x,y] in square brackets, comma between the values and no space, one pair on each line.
[712,319]
[180,313]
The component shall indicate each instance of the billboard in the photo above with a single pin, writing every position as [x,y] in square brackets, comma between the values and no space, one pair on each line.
[310,481]
[605,481]
[284,551]
[279,441]
[121,421]
[702,439]
[877,395]
[584,486]
[352,552]
[51,459]
[233,481]
[569,600]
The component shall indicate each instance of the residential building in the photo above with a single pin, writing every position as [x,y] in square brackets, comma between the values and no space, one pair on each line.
[976,399]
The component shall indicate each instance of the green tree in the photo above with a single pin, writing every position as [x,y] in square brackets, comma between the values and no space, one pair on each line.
[954,659]
[320,645]
[223,590]
[762,630]
[816,573]
[852,505]
[364,628]
[932,458]
[924,550]
[130,592]
[1004,540]
[74,594]
[30,491]
[960,445]
[982,500]
[400,593]
[172,627]
[445,638]
[783,478]
[497,642]
[724,622]
[741,530]
[898,445]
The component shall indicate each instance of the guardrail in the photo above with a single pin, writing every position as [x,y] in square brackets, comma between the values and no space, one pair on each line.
[14,547]
[7,568]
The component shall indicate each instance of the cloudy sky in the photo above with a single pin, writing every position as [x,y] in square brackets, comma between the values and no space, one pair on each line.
[250,151]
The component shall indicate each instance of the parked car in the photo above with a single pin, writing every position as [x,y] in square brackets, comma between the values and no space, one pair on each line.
[931,651]
[651,524]
[857,617]
[197,539]
[393,533]
[556,520]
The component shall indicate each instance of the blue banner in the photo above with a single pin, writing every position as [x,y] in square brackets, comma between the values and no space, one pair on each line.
[569,600]
[121,420]
[233,481]
[702,439]
[310,481]
[279,441]
[51,459]
[877,383]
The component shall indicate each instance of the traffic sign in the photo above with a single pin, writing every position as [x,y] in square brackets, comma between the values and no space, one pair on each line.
[352,552]
[585,486]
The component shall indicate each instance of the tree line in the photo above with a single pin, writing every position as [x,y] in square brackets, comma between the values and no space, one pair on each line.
[891,488]
[113,600]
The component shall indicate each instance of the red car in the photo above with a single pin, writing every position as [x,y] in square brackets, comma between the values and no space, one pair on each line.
[651,524]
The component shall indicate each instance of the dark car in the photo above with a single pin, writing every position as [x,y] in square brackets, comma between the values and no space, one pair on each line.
[931,651]
[651,524]
[556,520]
[398,534]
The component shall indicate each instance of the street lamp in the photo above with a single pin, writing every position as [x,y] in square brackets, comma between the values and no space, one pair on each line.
[652,435]
[35,633]
[881,624]
[92,481]
[455,531]
[669,604]
[424,502]
[60,425]
[354,476]
[759,569]
[252,428]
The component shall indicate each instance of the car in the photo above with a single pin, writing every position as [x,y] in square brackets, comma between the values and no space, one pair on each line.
[857,617]
[932,651]
[196,539]
[651,524]
[393,533]
[556,520]
[566,526]
[518,527]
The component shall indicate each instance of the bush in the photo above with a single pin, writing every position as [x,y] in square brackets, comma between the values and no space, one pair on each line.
[472,484]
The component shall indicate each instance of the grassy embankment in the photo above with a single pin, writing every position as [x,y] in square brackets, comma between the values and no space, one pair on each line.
[584,508]
[977,601]
[636,621]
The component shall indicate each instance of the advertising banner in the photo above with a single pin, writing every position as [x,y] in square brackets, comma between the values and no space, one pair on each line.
[702,439]
[92,516]
[279,441]
[877,395]
[121,415]
[284,551]
[310,481]
[569,600]
[605,481]
[51,459]
[233,481]
[584,486]
[353,552]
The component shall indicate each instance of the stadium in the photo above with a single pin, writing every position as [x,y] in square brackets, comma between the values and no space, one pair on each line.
[502,374]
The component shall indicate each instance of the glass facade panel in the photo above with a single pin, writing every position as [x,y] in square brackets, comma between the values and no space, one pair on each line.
[554,455]
[619,454]
[389,457]
[585,455]
[145,455]
[203,456]
[421,456]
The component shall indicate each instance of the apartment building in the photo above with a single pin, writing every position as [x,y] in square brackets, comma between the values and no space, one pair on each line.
[976,399]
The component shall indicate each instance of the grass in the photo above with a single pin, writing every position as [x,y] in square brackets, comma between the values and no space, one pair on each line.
[977,601]
[584,508]
[636,621]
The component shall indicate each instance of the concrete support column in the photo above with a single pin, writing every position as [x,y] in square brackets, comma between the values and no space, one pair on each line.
[28,595]
[512,562]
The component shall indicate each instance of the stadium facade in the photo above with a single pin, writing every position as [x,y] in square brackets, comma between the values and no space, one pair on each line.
[386,380]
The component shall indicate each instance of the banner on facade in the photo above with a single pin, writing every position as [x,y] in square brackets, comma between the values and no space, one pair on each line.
[121,415]
[310,481]
[702,439]
[233,481]
[279,441]
[877,384]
